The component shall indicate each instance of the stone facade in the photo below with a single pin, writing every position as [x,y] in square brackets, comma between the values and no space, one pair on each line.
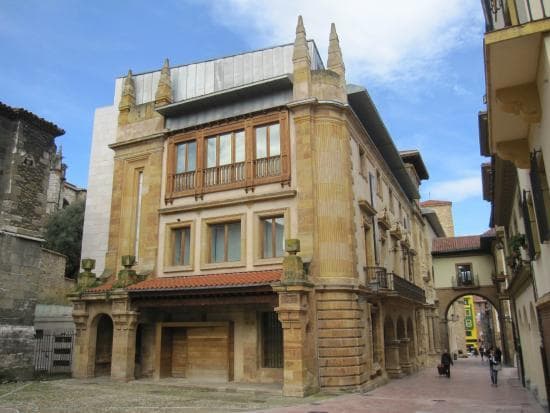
[60,192]
[349,306]
[27,272]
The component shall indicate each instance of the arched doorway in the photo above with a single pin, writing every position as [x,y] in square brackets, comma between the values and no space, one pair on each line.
[472,321]
[104,346]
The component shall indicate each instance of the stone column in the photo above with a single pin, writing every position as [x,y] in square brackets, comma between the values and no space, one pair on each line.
[300,369]
[124,339]
[83,362]
[437,336]
[404,359]
[393,366]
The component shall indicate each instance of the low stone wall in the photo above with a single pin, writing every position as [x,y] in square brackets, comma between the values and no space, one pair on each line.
[16,352]
[53,287]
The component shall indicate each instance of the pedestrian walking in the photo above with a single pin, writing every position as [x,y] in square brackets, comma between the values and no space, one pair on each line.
[446,361]
[495,365]
[481,352]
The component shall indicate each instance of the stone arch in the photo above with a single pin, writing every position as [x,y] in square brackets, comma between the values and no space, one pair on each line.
[492,299]
[102,328]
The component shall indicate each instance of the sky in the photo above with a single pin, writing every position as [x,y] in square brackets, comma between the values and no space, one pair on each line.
[421,61]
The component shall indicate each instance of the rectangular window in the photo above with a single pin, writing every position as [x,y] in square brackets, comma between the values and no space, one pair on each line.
[272,340]
[186,164]
[181,242]
[225,155]
[268,150]
[464,274]
[139,192]
[225,242]
[273,231]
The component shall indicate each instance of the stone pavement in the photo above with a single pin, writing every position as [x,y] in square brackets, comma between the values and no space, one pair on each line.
[468,390]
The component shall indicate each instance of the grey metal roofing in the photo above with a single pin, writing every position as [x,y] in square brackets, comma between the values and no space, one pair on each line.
[413,156]
[203,78]
[364,108]
[433,220]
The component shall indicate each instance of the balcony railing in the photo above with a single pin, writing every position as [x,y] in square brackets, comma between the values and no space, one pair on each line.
[379,280]
[465,281]
[224,174]
[268,166]
[500,14]
[184,181]
[407,289]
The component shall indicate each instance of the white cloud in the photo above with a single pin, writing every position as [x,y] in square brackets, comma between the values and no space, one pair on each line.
[454,190]
[382,41]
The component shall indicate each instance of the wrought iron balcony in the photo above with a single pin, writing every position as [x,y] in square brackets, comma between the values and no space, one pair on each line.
[500,14]
[407,289]
[465,281]
[380,281]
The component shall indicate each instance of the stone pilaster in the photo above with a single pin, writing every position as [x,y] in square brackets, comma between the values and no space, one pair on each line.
[393,365]
[124,339]
[83,362]
[404,357]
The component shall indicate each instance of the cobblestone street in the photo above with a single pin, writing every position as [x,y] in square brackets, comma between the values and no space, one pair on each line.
[468,390]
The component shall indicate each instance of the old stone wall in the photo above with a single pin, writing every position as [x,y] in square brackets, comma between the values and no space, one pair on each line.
[16,352]
[53,287]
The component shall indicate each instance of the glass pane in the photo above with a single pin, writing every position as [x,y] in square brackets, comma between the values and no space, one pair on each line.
[176,257]
[274,140]
[234,241]
[180,158]
[279,236]
[225,149]
[217,243]
[239,146]
[268,237]
[191,156]
[261,142]
[187,240]
[211,152]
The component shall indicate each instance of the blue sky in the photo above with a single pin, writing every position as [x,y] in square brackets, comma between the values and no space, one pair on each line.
[421,61]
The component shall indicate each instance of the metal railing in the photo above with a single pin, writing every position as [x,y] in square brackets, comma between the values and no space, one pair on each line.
[407,289]
[465,281]
[379,279]
[53,353]
[504,13]
[268,166]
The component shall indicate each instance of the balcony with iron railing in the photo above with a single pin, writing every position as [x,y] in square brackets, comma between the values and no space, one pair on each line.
[500,14]
[460,281]
[382,282]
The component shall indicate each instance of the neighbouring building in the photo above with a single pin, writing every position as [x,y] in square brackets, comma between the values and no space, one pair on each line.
[201,177]
[514,133]
[28,273]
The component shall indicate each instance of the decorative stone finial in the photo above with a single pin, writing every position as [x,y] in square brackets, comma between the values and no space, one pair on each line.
[163,95]
[86,279]
[128,98]
[127,276]
[302,63]
[335,61]
[301,51]
[293,267]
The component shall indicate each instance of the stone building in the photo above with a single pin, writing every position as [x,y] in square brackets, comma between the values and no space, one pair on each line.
[28,273]
[60,192]
[514,134]
[208,168]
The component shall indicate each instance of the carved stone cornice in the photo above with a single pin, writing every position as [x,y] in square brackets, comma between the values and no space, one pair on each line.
[384,220]
[522,100]
[516,150]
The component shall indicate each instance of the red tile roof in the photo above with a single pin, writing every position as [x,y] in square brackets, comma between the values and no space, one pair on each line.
[102,288]
[237,279]
[434,202]
[452,244]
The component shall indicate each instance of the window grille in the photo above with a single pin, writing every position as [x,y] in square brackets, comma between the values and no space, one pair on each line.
[272,341]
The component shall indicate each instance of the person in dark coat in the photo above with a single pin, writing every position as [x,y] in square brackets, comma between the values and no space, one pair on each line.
[446,361]
[495,365]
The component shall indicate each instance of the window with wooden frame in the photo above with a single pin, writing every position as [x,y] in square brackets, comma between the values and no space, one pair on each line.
[541,194]
[225,242]
[267,143]
[186,165]
[464,274]
[225,158]
[273,236]
[272,340]
[181,246]
[240,153]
